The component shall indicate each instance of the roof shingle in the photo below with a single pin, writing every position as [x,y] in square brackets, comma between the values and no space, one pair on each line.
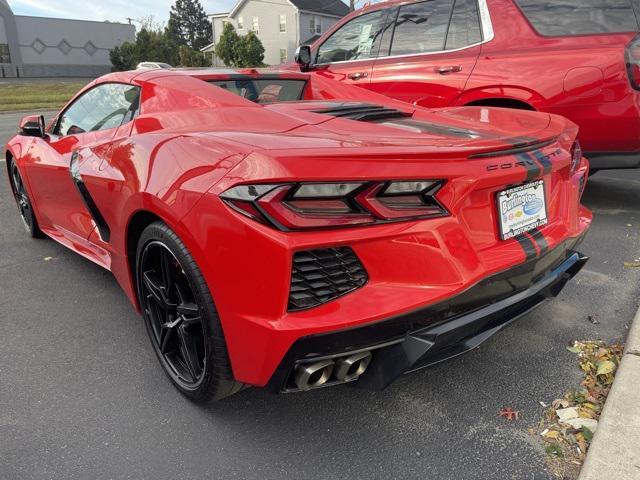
[331,7]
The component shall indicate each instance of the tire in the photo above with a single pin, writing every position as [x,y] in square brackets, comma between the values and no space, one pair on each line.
[194,357]
[23,202]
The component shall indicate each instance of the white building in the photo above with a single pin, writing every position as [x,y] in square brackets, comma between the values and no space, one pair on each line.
[281,25]
[50,47]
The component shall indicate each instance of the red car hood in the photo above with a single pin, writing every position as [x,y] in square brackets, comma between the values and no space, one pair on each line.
[460,130]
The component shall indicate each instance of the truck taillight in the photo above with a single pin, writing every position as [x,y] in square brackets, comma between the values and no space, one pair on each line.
[302,206]
[633,62]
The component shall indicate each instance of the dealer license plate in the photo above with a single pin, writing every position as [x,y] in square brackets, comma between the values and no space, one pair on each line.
[522,209]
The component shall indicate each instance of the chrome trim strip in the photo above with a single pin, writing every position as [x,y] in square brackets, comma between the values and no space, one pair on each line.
[485,21]
[487,35]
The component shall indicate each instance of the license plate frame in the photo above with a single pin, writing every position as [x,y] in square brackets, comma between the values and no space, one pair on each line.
[521,209]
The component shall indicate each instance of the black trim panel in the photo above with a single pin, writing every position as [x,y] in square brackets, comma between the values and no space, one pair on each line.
[101,223]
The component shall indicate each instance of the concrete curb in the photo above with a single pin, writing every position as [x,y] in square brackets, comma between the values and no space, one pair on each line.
[615,450]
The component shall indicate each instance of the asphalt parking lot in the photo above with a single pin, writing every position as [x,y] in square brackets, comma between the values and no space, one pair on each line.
[82,395]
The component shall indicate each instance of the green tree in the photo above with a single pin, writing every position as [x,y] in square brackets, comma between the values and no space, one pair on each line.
[150,46]
[192,58]
[188,24]
[251,51]
[124,57]
[228,47]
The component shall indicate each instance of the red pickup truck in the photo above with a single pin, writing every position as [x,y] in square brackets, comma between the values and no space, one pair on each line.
[576,58]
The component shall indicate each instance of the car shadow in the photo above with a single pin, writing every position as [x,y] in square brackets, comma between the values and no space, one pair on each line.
[613,193]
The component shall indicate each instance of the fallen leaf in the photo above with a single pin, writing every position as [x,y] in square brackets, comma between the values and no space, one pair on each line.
[554,450]
[574,349]
[509,414]
[588,434]
[567,413]
[632,264]
[605,367]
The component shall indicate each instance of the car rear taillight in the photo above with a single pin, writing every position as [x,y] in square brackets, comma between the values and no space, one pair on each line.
[301,206]
[633,62]
[576,156]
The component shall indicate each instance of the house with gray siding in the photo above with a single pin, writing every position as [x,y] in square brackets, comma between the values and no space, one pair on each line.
[51,47]
[281,25]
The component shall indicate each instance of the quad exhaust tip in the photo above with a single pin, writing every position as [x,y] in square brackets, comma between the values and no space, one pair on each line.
[340,370]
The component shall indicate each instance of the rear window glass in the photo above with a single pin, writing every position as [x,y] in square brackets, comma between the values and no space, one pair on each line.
[464,28]
[579,17]
[263,90]
[421,27]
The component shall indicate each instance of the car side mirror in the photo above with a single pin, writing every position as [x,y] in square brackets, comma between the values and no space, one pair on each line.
[303,57]
[32,126]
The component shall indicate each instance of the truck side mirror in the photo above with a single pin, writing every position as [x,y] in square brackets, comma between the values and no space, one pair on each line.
[303,57]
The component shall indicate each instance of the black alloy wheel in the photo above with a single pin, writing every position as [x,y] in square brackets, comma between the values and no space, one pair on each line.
[180,316]
[24,203]
[174,316]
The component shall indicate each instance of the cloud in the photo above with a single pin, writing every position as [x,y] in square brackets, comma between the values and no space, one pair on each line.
[112,10]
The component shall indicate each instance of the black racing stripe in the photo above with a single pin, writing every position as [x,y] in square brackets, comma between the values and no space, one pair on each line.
[544,161]
[527,245]
[538,237]
[533,170]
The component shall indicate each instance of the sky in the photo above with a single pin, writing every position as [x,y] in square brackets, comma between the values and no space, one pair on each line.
[112,10]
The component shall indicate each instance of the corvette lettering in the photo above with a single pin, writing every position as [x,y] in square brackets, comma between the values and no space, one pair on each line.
[522,163]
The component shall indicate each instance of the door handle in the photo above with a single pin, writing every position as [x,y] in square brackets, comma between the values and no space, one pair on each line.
[357,75]
[448,69]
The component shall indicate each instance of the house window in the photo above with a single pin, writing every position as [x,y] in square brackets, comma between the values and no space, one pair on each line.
[240,23]
[284,55]
[283,23]
[315,26]
[5,57]
[256,24]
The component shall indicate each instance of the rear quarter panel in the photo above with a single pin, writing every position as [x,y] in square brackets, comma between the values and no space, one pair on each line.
[581,77]
[165,174]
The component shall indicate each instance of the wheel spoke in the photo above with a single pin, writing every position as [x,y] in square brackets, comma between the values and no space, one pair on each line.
[155,289]
[189,352]
[190,313]
[168,340]
[167,269]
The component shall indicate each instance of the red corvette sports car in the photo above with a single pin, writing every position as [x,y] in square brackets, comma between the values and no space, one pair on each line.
[288,231]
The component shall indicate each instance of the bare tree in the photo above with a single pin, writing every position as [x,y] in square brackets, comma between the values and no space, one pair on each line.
[150,24]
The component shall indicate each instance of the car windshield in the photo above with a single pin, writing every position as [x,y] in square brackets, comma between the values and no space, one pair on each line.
[264,90]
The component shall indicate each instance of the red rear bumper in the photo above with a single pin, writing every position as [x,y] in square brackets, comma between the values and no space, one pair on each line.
[438,332]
